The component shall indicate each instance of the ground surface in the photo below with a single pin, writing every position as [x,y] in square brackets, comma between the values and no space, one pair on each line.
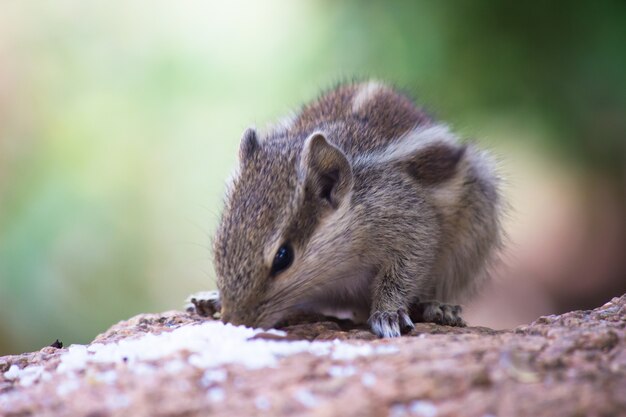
[180,364]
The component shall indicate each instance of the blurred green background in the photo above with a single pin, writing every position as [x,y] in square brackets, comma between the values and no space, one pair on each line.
[120,120]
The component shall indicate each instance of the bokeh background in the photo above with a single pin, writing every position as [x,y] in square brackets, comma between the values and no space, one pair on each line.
[120,120]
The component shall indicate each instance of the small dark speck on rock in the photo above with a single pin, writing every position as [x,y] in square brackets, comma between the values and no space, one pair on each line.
[57,344]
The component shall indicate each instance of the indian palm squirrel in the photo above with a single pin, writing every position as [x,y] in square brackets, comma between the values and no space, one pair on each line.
[359,202]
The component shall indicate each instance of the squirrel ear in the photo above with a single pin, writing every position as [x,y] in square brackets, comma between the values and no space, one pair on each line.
[436,162]
[249,144]
[325,169]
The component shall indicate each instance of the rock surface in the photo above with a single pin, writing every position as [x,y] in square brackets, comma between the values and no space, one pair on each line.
[180,364]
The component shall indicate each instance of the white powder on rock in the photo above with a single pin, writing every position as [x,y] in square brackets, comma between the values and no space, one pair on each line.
[262,403]
[216,395]
[341,371]
[67,387]
[27,376]
[306,398]
[212,376]
[209,345]
[368,379]
[416,408]
[12,373]
[423,408]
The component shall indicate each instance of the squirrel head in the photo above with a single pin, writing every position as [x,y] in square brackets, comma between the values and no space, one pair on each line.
[280,193]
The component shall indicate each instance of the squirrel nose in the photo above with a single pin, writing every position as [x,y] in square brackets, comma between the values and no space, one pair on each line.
[234,319]
[226,316]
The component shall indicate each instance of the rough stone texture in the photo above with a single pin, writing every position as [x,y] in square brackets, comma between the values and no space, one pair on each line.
[568,365]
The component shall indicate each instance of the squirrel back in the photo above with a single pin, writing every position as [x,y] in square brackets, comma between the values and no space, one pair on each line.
[365,116]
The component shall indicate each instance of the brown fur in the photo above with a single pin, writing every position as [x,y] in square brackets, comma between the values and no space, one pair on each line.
[382,206]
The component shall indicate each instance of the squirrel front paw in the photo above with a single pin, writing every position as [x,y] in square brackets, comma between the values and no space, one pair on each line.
[438,313]
[390,323]
[205,303]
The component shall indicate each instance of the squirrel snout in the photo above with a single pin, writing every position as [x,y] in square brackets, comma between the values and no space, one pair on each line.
[227,317]
[247,318]
[237,319]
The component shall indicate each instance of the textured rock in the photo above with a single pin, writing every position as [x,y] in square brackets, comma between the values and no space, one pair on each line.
[568,365]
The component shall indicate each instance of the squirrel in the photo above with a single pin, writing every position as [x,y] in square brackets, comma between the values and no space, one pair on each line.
[359,201]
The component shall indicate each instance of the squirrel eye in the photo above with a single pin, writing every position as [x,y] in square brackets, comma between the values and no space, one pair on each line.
[282,259]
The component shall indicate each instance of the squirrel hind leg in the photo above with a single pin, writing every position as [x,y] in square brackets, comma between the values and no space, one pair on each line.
[438,313]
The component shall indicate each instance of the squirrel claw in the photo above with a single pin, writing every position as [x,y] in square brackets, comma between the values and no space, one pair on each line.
[205,303]
[391,323]
[440,313]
